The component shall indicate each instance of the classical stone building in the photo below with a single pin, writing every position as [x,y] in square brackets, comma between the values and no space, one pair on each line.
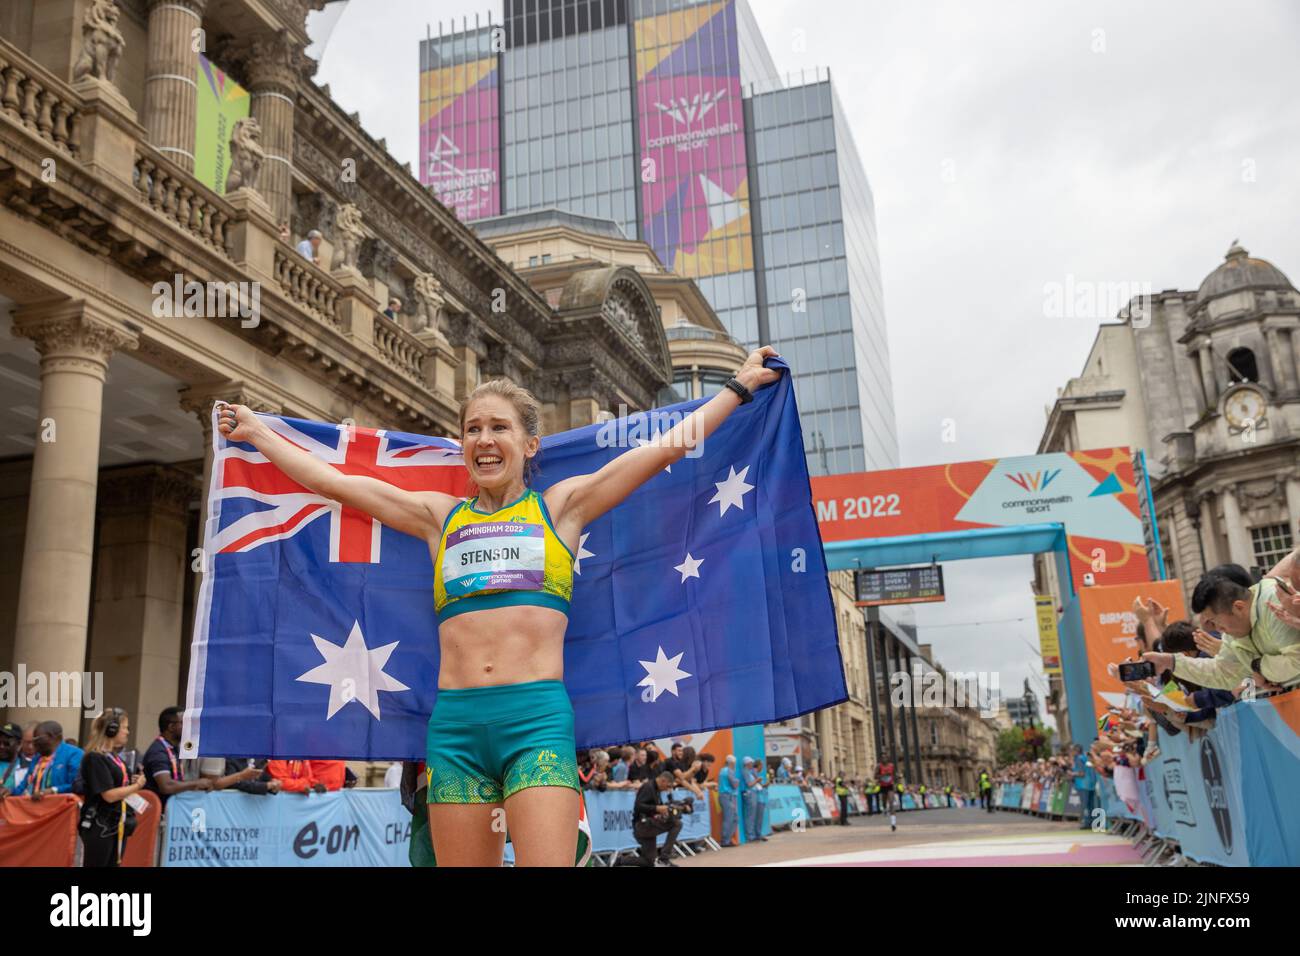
[1208,383]
[105,450]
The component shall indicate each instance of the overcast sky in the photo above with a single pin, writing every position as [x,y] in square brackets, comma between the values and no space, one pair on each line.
[1010,145]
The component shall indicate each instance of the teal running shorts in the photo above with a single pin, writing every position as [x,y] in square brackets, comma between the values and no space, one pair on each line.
[485,744]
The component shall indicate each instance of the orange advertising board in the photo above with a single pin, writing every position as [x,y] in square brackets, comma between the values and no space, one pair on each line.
[1110,629]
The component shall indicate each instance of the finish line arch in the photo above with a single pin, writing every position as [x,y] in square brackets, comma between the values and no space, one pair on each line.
[1086,508]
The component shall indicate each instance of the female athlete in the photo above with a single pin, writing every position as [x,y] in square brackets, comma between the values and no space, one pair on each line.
[501,732]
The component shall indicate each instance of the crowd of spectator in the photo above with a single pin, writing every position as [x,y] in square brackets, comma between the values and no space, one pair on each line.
[106,778]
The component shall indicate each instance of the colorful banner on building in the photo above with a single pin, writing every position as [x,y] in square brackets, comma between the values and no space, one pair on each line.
[1090,492]
[344,828]
[1110,630]
[459,136]
[220,103]
[694,179]
[1049,640]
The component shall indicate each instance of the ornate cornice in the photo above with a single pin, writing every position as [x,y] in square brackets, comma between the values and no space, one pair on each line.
[70,338]
[268,62]
[148,487]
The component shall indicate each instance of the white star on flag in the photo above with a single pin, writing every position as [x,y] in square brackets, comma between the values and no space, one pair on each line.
[582,553]
[690,568]
[646,441]
[353,672]
[732,491]
[662,674]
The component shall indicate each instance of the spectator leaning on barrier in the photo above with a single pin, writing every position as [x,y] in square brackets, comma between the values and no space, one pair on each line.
[57,763]
[639,769]
[309,248]
[619,771]
[11,774]
[162,767]
[1261,628]
[295,776]
[247,776]
[729,785]
[332,773]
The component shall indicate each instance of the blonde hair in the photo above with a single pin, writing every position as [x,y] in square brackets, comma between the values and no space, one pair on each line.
[526,407]
[98,738]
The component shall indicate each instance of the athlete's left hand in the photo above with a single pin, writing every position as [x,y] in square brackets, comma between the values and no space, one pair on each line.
[752,374]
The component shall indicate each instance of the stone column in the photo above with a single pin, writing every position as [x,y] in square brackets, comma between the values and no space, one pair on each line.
[139,589]
[272,67]
[170,89]
[1209,381]
[1239,548]
[75,342]
[1280,347]
[1293,507]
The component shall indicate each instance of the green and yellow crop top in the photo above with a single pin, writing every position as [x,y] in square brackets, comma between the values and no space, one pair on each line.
[512,556]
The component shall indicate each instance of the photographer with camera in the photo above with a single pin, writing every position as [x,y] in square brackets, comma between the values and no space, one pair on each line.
[653,816]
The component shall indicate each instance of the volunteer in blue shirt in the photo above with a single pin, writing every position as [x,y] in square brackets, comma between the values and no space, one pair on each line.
[1085,781]
[729,785]
[56,766]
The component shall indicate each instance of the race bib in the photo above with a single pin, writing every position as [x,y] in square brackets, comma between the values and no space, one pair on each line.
[495,554]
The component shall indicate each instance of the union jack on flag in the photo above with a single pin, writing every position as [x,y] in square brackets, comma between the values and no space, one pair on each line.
[262,504]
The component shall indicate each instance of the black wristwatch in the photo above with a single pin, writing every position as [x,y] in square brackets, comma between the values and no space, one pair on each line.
[746,396]
[1255,666]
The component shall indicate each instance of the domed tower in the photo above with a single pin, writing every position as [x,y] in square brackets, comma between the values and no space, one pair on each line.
[1231,491]
[1244,337]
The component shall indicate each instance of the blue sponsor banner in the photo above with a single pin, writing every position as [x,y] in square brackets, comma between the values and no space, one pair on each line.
[785,805]
[357,827]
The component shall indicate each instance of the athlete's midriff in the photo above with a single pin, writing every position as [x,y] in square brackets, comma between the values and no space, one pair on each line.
[504,645]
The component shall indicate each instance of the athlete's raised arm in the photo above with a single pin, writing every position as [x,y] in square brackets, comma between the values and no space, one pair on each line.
[418,513]
[576,502]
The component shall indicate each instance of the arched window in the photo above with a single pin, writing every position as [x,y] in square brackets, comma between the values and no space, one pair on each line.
[1242,367]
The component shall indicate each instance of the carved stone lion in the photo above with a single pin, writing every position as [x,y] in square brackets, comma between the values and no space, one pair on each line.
[429,305]
[101,42]
[349,235]
[246,155]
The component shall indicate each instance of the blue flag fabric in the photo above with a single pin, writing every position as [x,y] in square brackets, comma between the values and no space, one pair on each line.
[701,602]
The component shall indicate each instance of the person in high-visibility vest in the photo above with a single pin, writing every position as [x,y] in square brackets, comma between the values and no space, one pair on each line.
[842,792]
[947,792]
[920,792]
[986,790]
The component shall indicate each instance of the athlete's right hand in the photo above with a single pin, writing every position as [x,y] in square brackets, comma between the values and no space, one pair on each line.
[236,422]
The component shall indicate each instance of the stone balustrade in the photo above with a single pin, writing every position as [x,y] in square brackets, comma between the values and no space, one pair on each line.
[181,198]
[33,96]
[398,347]
[308,286]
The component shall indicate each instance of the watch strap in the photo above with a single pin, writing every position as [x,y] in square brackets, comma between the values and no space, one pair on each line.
[745,395]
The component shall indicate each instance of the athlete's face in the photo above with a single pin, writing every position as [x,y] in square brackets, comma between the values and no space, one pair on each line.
[495,444]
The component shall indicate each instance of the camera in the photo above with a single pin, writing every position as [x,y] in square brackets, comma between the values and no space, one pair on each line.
[677,807]
[1136,670]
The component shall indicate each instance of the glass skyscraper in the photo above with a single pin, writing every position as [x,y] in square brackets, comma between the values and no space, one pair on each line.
[667,118]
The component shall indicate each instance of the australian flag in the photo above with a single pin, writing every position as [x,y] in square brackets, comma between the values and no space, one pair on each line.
[699,603]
